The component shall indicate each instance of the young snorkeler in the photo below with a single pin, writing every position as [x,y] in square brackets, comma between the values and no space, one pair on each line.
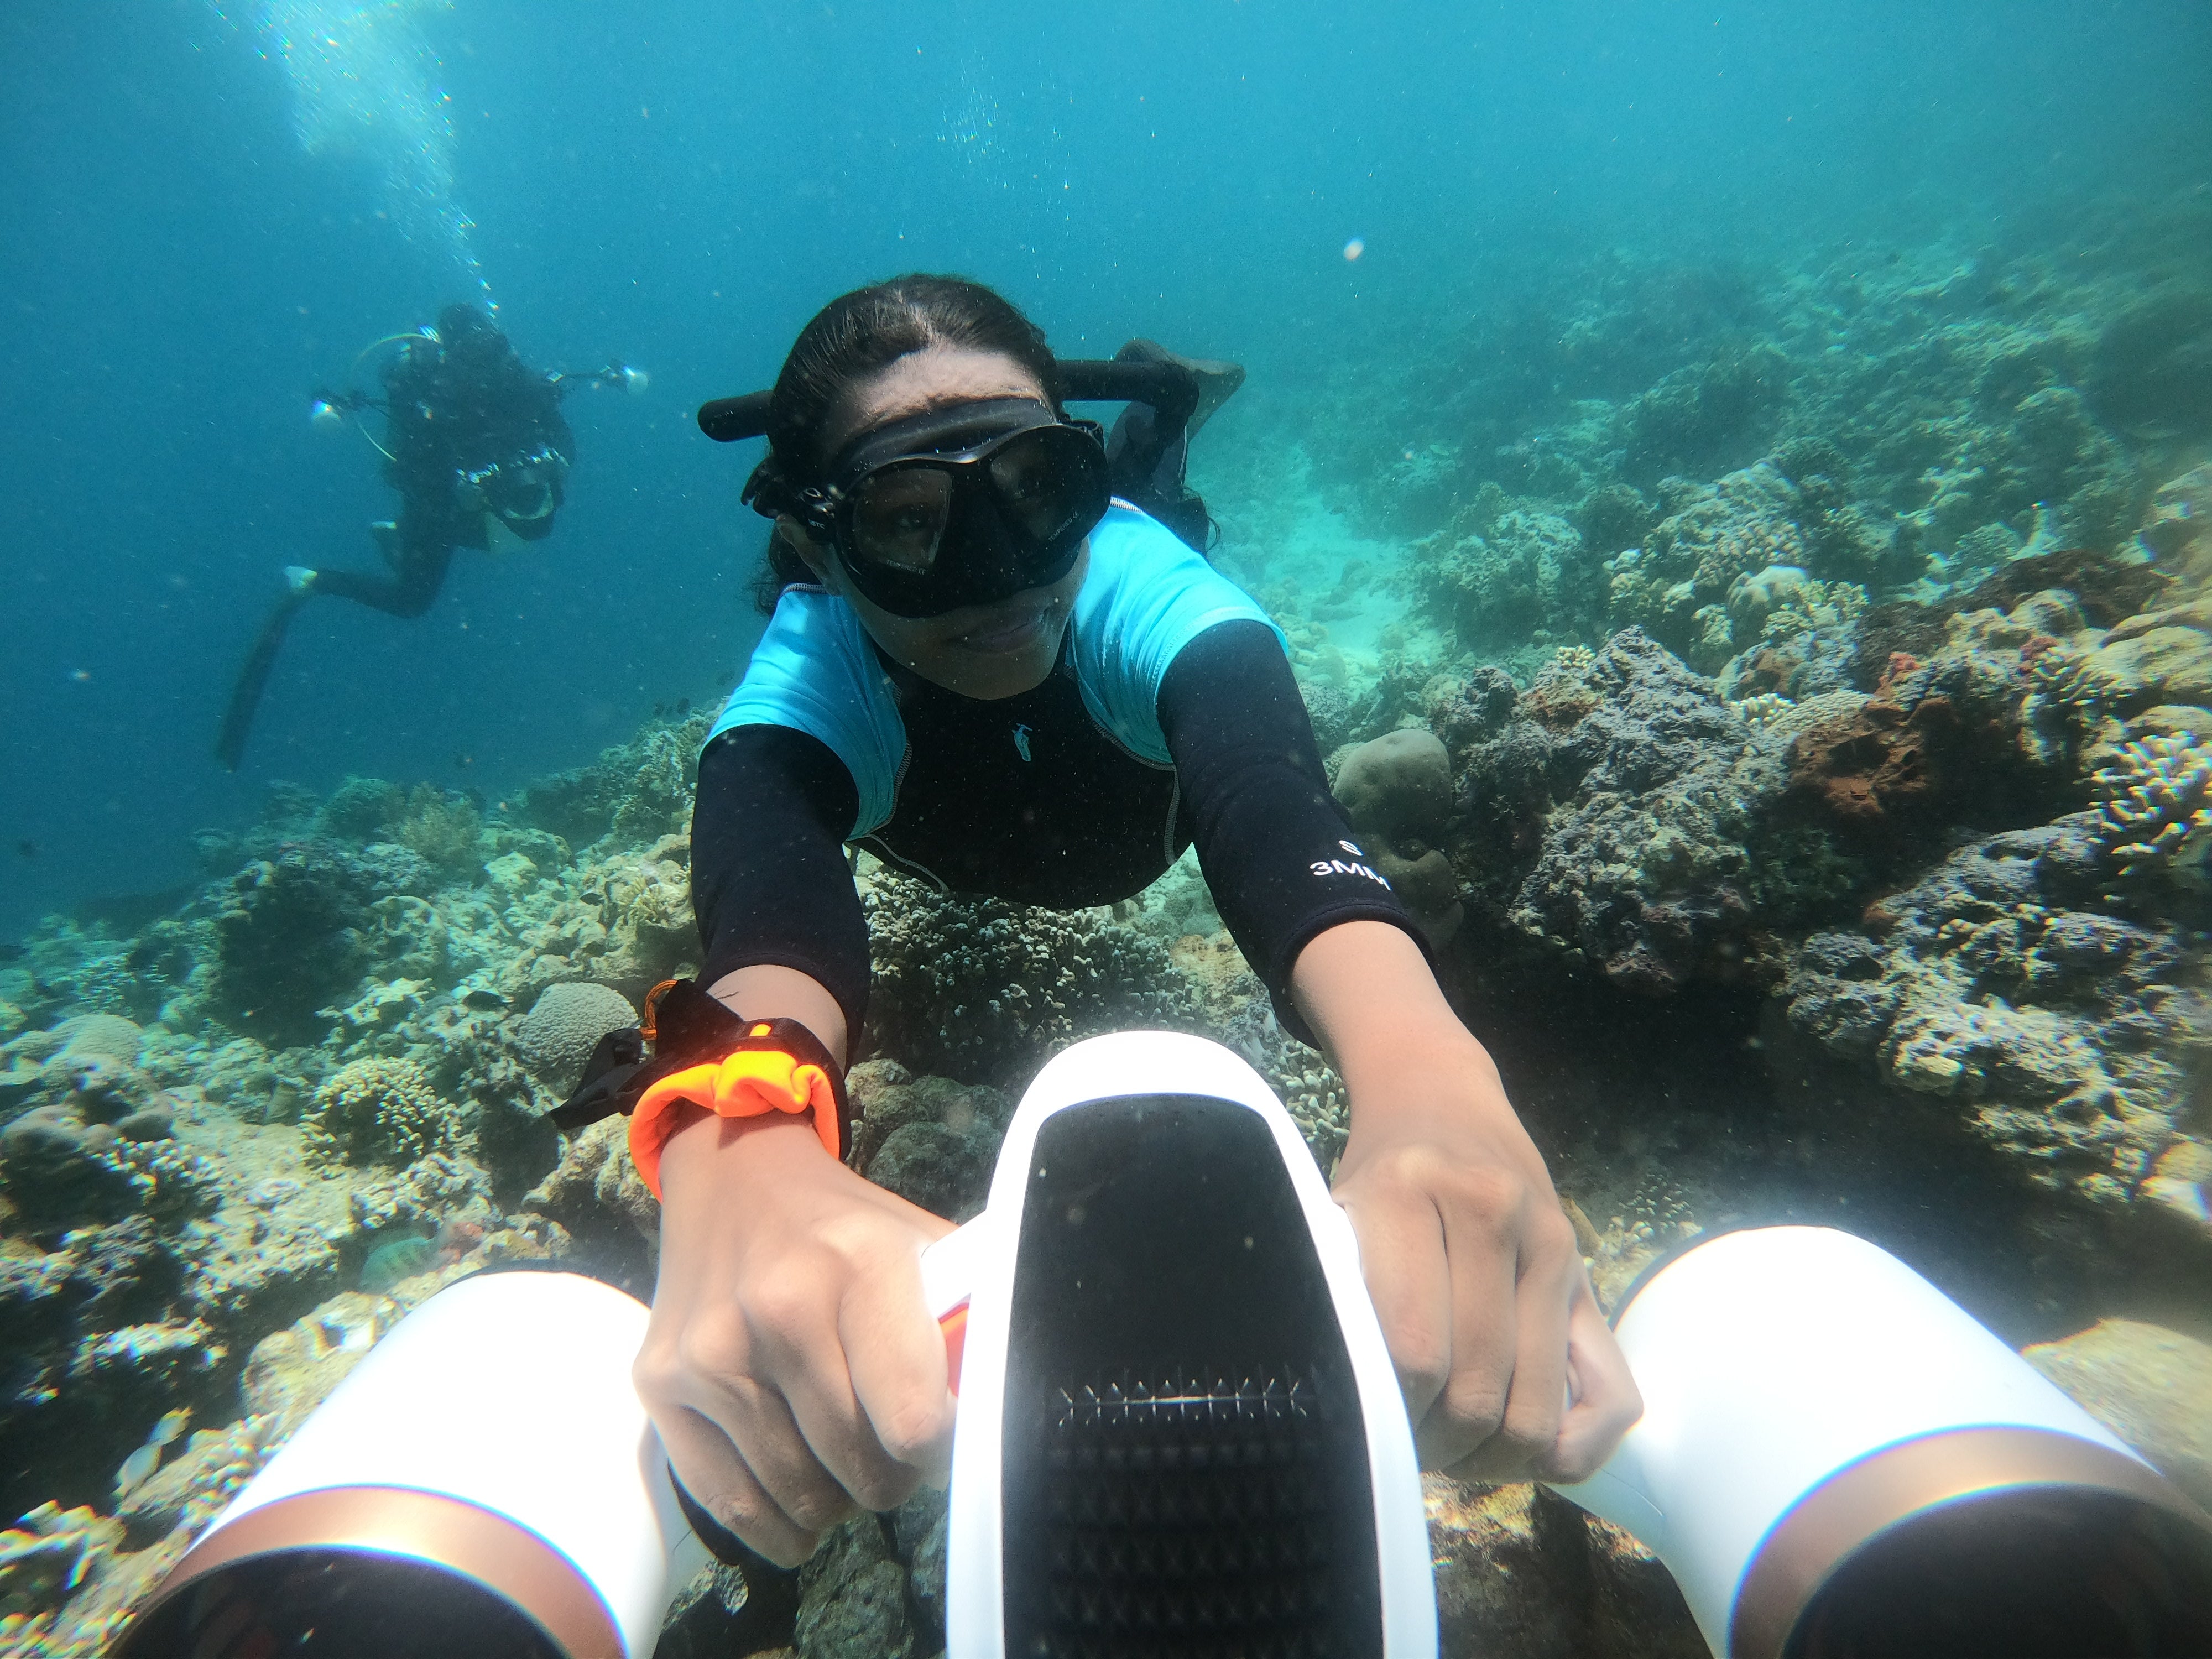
[991,676]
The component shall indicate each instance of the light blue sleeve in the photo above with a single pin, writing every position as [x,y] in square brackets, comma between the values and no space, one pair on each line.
[815,671]
[1148,595]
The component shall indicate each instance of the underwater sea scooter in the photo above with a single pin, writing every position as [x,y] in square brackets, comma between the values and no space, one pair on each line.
[1180,1432]
[1834,1459]
[1195,1445]
[483,1484]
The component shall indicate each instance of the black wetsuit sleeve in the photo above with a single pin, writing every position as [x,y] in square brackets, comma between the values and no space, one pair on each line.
[769,882]
[1281,861]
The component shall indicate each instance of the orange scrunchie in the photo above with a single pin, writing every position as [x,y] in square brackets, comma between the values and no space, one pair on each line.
[750,1082]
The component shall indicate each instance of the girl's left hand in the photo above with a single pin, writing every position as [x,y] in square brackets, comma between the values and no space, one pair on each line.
[1479,1286]
[1508,1369]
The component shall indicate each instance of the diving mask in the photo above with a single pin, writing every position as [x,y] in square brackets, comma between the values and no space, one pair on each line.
[957,507]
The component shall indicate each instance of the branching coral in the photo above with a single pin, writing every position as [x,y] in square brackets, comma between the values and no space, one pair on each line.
[380,1111]
[2074,679]
[2156,815]
[1764,707]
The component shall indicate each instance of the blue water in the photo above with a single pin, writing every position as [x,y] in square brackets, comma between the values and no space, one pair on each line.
[180,270]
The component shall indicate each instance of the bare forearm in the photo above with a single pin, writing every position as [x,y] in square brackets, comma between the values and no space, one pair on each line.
[1367,992]
[767,992]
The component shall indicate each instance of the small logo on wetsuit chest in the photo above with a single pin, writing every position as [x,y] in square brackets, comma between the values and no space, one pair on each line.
[1021,741]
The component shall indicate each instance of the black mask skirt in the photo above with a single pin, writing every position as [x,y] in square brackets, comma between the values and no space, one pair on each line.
[960,507]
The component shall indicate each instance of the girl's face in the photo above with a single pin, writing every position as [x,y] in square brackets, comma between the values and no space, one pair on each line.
[985,652]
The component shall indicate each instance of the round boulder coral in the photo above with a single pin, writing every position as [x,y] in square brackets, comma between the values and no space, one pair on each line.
[1397,791]
[110,1035]
[566,1023]
[380,1111]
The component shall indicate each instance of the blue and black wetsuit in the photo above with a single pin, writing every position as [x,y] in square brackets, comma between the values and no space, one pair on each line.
[1171,717]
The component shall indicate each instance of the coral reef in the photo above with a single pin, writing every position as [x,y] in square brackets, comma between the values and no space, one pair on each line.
[982,990]
[566,1023]
[633,794]
[1504,576]
[1704,415]
[1755,557]
[1996,989]
[928,1140]
[2156,819]
[622,919]
[381,1111]
[444,829]
[287,934]
[1622,815]
[1397,791]
[1898,920]
[603,1207]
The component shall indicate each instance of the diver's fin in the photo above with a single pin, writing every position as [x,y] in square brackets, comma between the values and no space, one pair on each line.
[254,679]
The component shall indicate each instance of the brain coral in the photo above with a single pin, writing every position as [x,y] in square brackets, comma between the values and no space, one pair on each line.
[380,1111]
[110,1035]
[1397,791]
[566,1023]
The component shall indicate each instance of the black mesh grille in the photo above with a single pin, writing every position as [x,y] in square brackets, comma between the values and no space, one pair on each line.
[1185,1463]
[1188,1518]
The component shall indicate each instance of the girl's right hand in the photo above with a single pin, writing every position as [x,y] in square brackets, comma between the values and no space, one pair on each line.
[791,1365]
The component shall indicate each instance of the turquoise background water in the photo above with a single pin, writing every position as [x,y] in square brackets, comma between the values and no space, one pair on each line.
[681,186]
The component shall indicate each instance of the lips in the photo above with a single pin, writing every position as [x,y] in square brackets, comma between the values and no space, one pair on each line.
[1010,630]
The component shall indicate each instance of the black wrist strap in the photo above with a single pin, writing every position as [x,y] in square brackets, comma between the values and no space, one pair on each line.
[684,1027]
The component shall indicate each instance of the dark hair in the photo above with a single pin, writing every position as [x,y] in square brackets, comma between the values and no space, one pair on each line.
[854,336]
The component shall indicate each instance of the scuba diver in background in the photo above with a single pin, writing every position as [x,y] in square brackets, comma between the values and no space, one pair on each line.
[997,659]
[476,446]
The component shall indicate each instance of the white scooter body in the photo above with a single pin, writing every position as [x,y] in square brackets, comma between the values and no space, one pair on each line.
[1188,1364]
